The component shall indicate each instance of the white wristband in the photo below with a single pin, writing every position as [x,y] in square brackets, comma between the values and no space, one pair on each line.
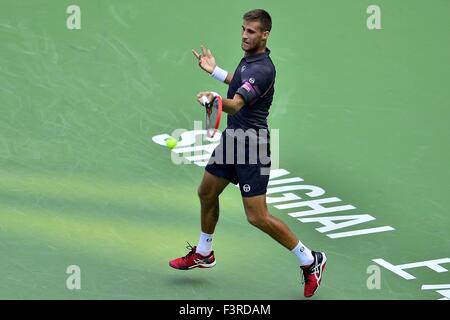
[219,74]
[205,100]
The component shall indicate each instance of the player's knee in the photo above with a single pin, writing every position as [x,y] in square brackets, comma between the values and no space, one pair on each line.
[253,220]
[201,193]
[257,220]
[204,194]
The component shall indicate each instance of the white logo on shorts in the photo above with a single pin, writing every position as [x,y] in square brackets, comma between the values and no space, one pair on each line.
[251,80]
[246,188]
[243,68]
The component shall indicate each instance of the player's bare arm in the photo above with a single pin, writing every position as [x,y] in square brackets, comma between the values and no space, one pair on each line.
[230,106]
[207,62]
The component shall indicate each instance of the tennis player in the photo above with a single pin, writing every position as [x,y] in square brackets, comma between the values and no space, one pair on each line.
[250,95]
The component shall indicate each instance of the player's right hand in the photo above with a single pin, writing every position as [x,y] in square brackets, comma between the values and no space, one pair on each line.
[209,96]
[206,60]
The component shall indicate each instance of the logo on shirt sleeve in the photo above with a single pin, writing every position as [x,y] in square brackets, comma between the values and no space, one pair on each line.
[247,86]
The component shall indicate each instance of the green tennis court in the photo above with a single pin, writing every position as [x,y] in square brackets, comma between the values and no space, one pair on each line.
[362,114]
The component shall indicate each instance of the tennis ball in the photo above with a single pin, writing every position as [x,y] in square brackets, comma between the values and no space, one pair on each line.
[171,143]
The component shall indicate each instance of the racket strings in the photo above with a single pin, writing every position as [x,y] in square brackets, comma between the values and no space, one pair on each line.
[212,115]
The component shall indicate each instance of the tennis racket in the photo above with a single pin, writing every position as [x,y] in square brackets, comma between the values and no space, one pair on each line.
[213,115]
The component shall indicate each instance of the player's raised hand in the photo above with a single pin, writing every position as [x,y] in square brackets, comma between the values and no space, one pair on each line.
[206,60]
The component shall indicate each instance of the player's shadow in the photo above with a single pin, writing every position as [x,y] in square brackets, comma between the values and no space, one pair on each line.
[184,280]
[300,297]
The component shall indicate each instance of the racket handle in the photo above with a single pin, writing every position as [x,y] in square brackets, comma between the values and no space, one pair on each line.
[204,100]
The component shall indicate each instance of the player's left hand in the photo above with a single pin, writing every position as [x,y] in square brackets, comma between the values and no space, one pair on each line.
[206,60]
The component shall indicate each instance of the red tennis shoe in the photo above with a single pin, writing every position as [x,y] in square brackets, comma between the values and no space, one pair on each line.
[312,274]
[193,260]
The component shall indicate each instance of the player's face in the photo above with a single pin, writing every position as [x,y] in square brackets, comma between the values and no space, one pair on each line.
[253,38]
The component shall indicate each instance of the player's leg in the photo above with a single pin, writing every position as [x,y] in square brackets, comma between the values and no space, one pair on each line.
[215,180]
[312,263]
[202,255]
[258,215]
[208,192]
[218,174]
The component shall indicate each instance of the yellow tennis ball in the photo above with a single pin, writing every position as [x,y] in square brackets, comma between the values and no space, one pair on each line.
[171,143]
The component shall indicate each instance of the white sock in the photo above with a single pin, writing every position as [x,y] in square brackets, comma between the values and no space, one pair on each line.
[303,254]
[204,244]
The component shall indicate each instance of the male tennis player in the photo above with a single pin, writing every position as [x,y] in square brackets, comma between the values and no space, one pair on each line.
[250,94]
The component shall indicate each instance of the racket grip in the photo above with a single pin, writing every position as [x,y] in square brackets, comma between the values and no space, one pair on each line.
[204,100]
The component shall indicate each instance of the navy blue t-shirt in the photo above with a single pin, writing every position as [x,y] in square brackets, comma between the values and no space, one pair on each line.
[254,80]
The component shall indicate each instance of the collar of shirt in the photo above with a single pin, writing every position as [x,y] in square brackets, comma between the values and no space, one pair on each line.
[258,56]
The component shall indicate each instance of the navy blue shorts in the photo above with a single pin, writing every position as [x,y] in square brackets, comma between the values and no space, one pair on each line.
[251,173]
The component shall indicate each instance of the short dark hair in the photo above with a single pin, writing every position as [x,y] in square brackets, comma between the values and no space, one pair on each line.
[259,15]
